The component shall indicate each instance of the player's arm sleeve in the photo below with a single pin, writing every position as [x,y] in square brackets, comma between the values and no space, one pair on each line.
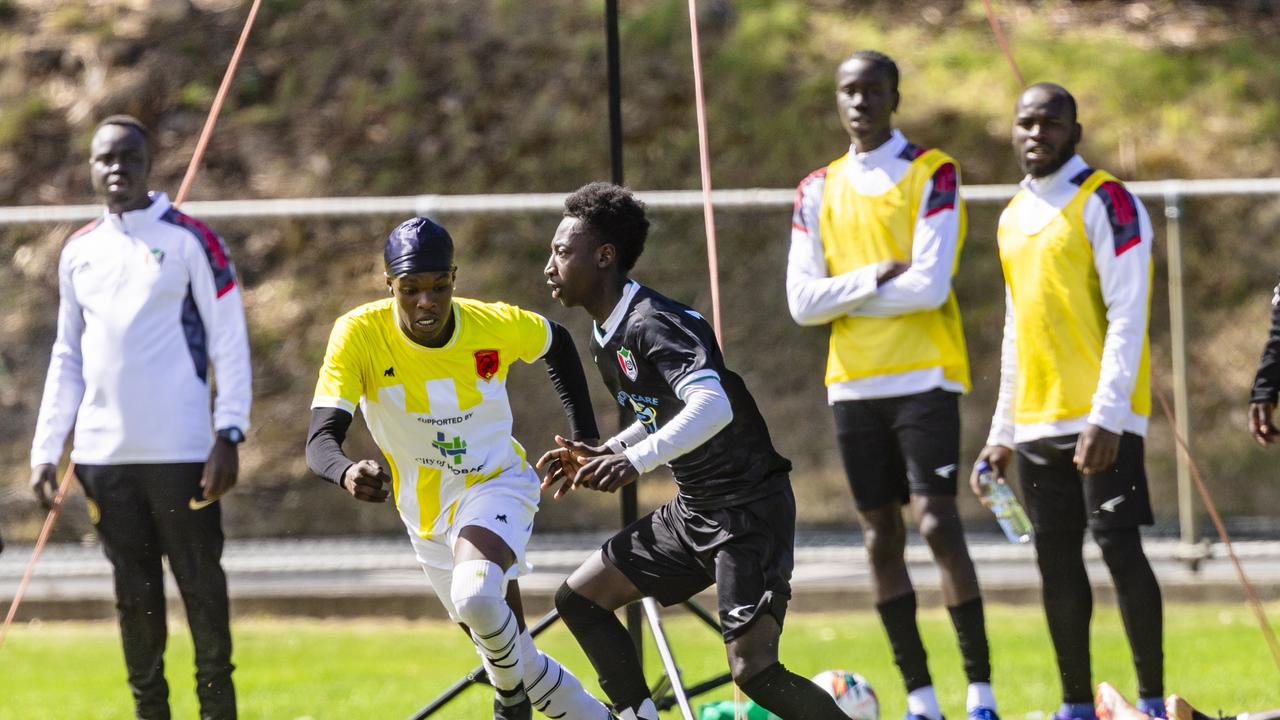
[1266,384]
[565,370]
[813,297]
[64,383]
[927,283]
[706,412]
[627,437]
[339,388]
[1121,238]
[1002,423]
[328,431]
[218,299]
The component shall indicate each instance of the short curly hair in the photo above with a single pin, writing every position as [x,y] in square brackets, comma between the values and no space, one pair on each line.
[614,215]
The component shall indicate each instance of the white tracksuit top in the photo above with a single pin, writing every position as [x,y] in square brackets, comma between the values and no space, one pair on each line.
[148,303]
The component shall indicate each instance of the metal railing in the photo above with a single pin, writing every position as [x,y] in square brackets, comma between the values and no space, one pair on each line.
[1170,193]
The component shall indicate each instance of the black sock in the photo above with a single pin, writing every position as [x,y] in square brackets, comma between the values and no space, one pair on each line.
[1068,607]
[1138,595]
[608,646]
[899,618]
[790,696]
[971,634]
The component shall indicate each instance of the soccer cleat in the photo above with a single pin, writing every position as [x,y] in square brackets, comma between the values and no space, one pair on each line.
[1060,715]
[982,713]
[913,716]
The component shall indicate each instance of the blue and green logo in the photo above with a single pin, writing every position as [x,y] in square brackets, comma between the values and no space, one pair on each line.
[454,448]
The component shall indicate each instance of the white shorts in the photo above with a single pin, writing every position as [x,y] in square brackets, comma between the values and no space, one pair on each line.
[504,506]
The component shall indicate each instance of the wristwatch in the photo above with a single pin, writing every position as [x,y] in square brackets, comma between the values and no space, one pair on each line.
[233,435]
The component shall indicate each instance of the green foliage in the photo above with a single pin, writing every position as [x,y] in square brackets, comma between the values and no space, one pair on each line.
[17,122]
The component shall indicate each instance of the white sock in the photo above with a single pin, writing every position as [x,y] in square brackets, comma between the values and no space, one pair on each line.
[646,711]
[924,701]
[980,695]
[553,690]
[480,602]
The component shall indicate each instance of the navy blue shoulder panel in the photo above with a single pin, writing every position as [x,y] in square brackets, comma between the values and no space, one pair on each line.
[911,152]
[215,250]
[1122,211]
[942,196]
[1081,176]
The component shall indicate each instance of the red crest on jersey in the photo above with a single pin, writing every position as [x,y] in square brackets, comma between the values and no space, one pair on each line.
[487,363]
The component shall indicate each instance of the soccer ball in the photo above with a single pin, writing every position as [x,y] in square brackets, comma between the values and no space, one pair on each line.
[852,692]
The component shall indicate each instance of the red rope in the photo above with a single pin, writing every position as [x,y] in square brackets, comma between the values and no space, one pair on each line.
[1003,43]
[1249,592]
[212,119]
[708,213]
[43,538]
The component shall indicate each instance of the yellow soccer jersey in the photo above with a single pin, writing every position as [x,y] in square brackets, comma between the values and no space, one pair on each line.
[440,415]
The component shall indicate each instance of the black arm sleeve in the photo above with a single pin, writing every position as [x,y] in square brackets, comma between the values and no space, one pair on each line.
[324,443]
[570,382]
[1266,386]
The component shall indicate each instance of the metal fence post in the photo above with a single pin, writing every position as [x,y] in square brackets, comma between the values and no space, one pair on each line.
[1190,548]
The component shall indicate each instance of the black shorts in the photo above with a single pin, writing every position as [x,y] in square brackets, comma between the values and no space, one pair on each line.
[1058,497]
[746,551]
[896,447]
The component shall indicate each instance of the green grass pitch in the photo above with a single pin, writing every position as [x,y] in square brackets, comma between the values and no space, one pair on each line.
[291,669]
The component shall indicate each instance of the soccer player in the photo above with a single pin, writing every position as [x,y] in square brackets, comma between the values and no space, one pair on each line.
[148,302]
[1266,384]
[429,372]
[875,240]
[732,521]
[1075,388]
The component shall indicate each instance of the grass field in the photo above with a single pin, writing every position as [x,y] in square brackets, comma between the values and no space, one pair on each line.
[290,669]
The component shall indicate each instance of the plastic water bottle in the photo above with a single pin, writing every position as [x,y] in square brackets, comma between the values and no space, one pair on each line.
[1009,513]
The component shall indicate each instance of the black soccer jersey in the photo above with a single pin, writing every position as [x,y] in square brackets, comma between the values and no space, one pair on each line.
[659,347]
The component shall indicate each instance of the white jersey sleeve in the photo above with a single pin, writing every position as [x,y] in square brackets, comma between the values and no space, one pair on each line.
[1122,257]
[64,384]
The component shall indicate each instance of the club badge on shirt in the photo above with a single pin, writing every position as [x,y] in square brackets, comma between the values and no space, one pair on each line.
[487,363]
[628,364]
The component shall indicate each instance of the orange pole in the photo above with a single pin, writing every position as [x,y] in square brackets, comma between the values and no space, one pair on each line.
[212,119]
[704,161]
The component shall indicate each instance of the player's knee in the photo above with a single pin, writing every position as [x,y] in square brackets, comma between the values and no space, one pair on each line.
[1120,547]
[746,663]
[884,545]
[757,678]
[577,610]
[477,594]
[937,530]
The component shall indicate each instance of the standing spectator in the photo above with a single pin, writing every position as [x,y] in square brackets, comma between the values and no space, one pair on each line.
[1266,385]
[875,239]
[1075,388]
[148,301]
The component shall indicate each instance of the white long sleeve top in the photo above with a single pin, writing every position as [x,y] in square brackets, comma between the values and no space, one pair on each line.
[816,298]
[1125,284]
[148,301]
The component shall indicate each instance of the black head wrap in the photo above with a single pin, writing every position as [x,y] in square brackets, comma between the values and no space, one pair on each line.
[418,245]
